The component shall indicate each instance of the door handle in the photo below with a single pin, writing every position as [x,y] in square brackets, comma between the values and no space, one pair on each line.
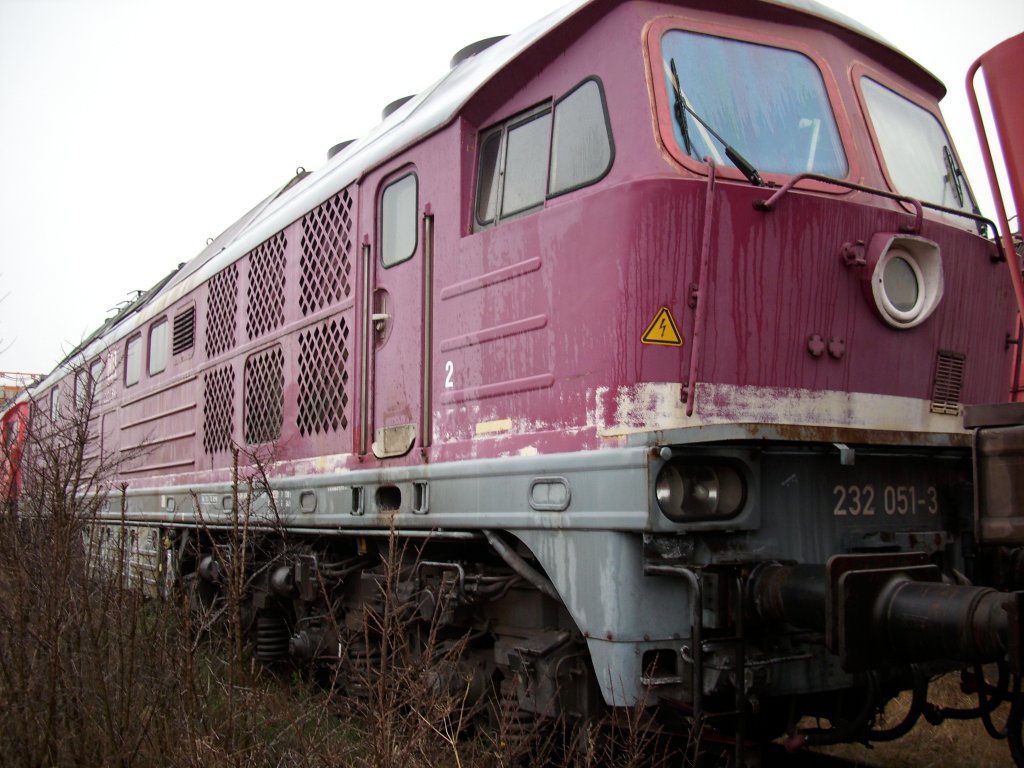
[380,317]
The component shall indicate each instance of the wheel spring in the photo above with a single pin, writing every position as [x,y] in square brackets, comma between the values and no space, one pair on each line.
[362,663]
[519,730]
[272,637]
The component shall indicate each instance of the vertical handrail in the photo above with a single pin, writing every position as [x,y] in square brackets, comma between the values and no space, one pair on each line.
[697,638]
[1017,384]
[692,578]
[700,310]
[364,357]
[740,667]
[426,413]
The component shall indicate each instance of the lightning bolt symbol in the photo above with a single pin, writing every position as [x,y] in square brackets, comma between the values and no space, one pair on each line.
[662,326]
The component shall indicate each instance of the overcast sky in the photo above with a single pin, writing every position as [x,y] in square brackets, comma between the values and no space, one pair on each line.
[133,130]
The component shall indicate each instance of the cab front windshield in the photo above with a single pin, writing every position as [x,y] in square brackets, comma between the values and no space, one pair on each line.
[917,153]
[770,104]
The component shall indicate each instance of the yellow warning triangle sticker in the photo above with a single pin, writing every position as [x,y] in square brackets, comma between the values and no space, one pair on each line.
[663,330]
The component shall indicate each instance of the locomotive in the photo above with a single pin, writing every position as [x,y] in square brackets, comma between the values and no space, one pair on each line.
[667,334]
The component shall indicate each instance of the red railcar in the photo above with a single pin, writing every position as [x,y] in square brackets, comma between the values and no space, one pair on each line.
[654,324]
[13,434]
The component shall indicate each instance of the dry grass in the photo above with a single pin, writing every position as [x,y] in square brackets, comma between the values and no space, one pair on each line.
[92,672]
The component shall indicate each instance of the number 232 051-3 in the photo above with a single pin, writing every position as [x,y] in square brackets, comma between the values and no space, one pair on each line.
[868,500]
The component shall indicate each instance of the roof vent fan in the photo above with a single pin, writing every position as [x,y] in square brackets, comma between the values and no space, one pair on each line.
[473,49]
[394,106]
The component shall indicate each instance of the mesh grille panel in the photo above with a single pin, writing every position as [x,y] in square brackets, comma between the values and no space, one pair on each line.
[265,295]
[325,265]
[323,378]
[218,408]
[264,395]
[949,379]
[221,304]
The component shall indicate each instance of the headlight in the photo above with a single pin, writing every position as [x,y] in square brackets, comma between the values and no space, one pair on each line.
[902,284]
[905,278]
[690,492]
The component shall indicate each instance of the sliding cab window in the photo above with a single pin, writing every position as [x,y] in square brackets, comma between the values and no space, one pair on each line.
[398,220]
[133,360]
[158,347]
[769,104]
[547,151]
[915,149]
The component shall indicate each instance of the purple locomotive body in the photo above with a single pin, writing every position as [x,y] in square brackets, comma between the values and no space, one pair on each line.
[665,313]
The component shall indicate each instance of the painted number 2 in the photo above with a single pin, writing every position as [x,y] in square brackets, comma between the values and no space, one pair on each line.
[449,374]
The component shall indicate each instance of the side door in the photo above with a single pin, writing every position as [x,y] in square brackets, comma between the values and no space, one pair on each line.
[393,317]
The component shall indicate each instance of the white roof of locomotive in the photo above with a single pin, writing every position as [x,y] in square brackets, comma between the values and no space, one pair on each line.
[418,118]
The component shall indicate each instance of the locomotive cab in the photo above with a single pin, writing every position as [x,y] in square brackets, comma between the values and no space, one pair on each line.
[852,473]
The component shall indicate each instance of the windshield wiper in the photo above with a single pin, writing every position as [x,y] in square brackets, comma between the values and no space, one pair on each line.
[681,108]
[956,179]
[953,174]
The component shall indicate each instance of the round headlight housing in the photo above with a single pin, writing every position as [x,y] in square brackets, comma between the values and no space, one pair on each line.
[688,492]
[905,279]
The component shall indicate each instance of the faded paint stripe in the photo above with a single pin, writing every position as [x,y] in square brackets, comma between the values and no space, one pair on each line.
[657,407]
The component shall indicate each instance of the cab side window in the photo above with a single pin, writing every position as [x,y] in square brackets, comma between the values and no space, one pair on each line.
[526,164]
[55,402]
[398,220]
[581,141]
[158,347]
[133,360]
[544,152]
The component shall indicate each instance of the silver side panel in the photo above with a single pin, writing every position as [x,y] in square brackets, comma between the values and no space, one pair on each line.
[620,611]
[597,490]
[582,515]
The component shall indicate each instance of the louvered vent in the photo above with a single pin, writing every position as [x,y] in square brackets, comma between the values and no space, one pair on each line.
[264,395]
[949,380]
[265,295]
[221,303]
[325,264]
[323,378]
[184,330]
[218,409]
